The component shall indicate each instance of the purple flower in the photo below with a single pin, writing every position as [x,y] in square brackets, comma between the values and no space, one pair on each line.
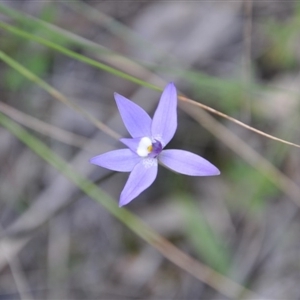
[149,137]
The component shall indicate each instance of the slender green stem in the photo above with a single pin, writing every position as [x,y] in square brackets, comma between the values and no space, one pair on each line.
[56,94]
[53,30]
[77,56]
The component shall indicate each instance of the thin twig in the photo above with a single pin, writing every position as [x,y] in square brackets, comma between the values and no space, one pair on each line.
[121,74]
[218,113]
[252,157]
[247,153]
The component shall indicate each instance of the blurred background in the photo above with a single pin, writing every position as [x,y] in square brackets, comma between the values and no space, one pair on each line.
[239,57]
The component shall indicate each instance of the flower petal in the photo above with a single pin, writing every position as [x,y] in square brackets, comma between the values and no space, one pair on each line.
[164,122]
[122,160]
[136,120]
[187,163]
[141,177]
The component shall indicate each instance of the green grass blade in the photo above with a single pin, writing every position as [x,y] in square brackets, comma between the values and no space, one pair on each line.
[61,34]
[77,56]
[83,184]
[52,31]
[212,278]
[56,94]
[124,75]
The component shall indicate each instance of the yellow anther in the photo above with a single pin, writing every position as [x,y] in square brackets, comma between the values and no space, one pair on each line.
[149,148]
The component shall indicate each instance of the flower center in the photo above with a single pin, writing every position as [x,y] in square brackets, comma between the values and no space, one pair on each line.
[148,148]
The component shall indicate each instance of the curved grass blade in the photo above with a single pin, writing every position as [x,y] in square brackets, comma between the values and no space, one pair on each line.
[133,79]
[219,130]
[56,94]
[200,271]
[77,56]
[52,30]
